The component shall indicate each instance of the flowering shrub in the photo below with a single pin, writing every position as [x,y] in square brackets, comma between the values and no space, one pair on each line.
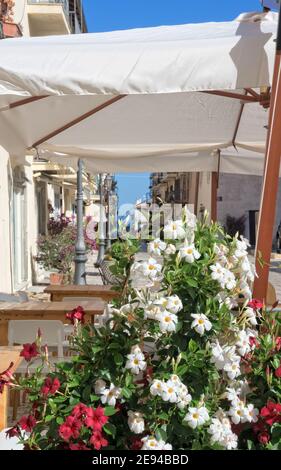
[194,365]
[57,249]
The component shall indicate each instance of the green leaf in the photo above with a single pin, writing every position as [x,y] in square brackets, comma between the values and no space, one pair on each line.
[192,346]
[161,434]
[110,429]
[49,418]
[110,411]
[118,359]
[59,420]
[191,282]
[126,392]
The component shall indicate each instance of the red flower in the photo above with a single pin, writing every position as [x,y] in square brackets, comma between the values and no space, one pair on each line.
[253,342]
[27,423]
[255,304]
[70,428]
[271,413]
[260,426]
[278,343]
[29,351]
[278,372]
[136,443]
[6,377]
[14,431]
[50,386]
[95,418]
[77,313]
[79,411]
[78,446]
[263,438]
[97,440]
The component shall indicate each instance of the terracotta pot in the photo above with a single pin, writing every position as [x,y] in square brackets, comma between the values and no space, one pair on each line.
[56,279]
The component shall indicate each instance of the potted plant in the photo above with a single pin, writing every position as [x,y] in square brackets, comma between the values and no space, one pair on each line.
[174,369]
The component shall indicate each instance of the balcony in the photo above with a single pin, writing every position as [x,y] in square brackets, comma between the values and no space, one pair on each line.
[48,17]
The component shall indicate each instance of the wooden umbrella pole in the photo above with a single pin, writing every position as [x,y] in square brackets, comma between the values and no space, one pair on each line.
[270,181]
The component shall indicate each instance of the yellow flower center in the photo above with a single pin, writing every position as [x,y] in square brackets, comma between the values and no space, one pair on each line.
[195,416]
[136,361]
[200,321]
[167,319]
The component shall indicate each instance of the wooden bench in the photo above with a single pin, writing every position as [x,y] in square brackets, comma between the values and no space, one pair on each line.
[108,278]
[45,311]
[58,293]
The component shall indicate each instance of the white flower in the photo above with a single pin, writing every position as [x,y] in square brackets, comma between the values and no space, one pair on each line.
[250,315]
[100,386]
[200,323]
[243,343]
[174,304]
[184,401]
[250,414]
[189,253]
[156,247]
[230,440]
[167,321]
[169,392]
[241,247]
[174,230]
[197,416]
[236,412]
[110,395]
[170,250]
[228,280]
[151,268]
[231,394]
[136,422]
[157,387]
[217,271]
[135,361]
[150,443]
[190,219]
[151,311]
[232,369]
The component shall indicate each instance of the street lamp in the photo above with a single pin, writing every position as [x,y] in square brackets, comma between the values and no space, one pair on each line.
[80,246]
[108,186]
[101,223]
[172,198]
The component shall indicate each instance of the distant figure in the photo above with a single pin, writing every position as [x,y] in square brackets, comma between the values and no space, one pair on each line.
[278,238]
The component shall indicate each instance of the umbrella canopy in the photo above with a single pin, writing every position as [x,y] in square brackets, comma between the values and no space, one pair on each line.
[139,100]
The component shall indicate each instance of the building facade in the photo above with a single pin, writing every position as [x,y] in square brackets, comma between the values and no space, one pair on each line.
[237,197]
[30,188]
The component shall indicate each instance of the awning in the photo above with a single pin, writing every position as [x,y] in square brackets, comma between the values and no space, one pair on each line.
[139,100]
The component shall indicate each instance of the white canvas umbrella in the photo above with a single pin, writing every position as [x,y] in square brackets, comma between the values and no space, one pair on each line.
[138,100]
[141,100]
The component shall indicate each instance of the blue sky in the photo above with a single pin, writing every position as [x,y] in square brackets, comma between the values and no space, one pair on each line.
[108,15]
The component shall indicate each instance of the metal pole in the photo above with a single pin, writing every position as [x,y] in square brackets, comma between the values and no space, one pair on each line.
[108,238]
[270,180]
[101,224]
[80,246]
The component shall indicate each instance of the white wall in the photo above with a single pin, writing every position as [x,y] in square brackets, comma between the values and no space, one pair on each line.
[205,191]
[241,193]
[5,246]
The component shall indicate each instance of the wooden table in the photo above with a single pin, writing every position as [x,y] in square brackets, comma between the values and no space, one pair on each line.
[8,354]
[45,311]
[103,292]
